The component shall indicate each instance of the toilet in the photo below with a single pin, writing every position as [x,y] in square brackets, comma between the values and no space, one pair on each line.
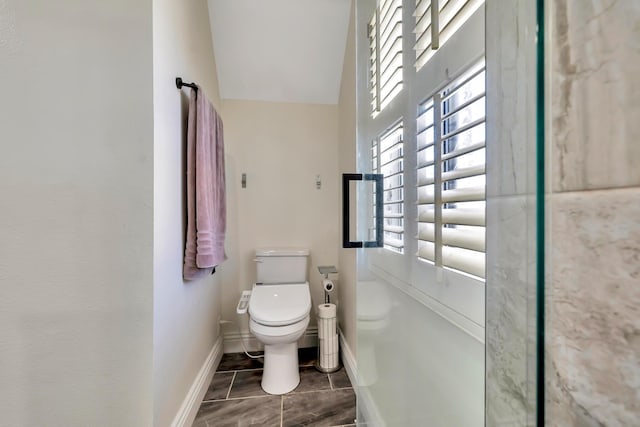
[279,309]
[373,309]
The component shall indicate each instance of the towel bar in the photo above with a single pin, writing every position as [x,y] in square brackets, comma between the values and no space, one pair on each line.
[180,83]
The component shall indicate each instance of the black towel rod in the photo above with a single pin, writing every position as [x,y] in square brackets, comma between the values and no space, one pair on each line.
[180,83]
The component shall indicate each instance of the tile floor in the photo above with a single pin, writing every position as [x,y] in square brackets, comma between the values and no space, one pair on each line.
[235,397]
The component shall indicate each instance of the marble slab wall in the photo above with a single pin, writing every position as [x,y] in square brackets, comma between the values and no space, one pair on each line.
[593,224]
[511,209]
[595,93]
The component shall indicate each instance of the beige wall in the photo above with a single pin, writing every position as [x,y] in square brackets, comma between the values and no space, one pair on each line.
[347,164]
[185,313]
[281,148]
[76,203]
[593,228]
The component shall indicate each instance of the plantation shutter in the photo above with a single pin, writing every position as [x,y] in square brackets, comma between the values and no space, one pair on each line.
[426,182]
[433,29]
[388,159]
[451,175]
[385,54]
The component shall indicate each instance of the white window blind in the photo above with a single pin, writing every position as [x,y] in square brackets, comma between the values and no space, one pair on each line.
[387,159]
[385,46]
[451,175]
[433,29]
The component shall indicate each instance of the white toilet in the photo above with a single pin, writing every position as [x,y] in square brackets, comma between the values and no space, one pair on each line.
[373,310]
[279,309]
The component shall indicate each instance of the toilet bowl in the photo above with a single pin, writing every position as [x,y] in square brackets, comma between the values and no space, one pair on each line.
[279,315]
[372,318]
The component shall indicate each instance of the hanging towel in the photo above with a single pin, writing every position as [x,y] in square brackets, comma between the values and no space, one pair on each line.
[206,198]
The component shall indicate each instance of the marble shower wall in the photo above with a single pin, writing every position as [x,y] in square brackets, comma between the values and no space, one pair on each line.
[511,210]
[593,224]
[593,213]
[595,112]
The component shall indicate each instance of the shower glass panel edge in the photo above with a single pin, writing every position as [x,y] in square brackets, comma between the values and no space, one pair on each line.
[540,212]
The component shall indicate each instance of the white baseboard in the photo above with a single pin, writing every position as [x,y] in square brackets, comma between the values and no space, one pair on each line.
[367,408]
[191,403]
[348,360]
[233,341]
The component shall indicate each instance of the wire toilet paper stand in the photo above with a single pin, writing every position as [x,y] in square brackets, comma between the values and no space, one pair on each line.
[328,359]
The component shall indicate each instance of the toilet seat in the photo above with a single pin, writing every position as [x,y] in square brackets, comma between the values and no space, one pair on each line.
[281,332]
[279,304]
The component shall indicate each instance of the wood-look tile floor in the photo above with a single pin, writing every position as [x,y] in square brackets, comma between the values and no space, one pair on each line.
[235,398]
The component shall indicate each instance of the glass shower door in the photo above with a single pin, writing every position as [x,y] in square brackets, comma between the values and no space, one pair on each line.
[458,193]
[420,326]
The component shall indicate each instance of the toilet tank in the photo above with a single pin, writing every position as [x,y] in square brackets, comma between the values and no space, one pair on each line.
[281,265]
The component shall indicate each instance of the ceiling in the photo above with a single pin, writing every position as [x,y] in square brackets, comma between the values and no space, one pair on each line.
[280,50]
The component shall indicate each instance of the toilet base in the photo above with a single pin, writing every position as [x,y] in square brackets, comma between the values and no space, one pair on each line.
[281,373]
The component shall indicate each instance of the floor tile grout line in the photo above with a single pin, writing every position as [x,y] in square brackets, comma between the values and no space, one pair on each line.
[291,393]
[271,395]
[237,398]
[230,386]
[320,390]
[239,370]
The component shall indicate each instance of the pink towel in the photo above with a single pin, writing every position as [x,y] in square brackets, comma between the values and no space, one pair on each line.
[206,200]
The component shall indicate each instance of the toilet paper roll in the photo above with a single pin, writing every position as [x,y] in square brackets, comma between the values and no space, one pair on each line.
[327,328]
[326,311]
[328,285]
[329,352]
[330,345]
[327,323]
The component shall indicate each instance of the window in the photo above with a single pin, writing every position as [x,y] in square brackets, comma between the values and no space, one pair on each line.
[387,159]
[434,229]
[451,175]
[385,54]
[433,30]
[428,143]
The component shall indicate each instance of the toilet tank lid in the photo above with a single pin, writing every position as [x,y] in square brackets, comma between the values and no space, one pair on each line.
[282,252]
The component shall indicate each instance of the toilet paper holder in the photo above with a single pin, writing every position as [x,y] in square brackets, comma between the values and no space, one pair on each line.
[327,284]
[325,270]
[328,359]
